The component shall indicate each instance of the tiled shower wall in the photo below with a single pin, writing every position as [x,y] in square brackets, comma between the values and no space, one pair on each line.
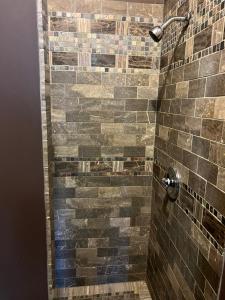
[187,237]
[104,86]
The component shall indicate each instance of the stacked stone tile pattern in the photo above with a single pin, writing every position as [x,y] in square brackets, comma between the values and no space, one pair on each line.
[187,238]
[104,87]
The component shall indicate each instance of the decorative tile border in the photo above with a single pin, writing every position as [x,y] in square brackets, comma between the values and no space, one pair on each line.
[205,205]
[136,290]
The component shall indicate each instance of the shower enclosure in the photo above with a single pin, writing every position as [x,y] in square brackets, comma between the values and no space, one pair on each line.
[119,111]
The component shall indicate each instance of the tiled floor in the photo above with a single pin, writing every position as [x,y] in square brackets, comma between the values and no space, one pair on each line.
[117,291]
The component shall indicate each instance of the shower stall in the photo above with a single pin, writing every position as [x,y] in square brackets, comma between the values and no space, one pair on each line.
[134,147]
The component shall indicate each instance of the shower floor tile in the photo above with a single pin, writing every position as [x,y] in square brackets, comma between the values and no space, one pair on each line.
[117,291]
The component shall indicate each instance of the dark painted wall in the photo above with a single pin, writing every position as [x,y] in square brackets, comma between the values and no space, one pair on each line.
[23,266]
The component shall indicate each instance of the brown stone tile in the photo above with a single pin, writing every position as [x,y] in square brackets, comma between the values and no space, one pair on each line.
[88,6]
[64,77]
[183,8]
[63,24]
[141,62]
[208,272]
[174,106]
[140,9]
[84,59]
[197,184]
[125,92]
[219,110]
[191,70]
[114,7]
[209,65]
[217,154]
[170,91]
[221,179]
[216,259]
[218,32]
[178,75]
[122,28]
[203,39]
[207,170]
[188,107]
[190,160]
[193,125]
[136,105]
[215,197]
[179,52]
[201,146]
[212,129]
[196,88]
[88,78]
[83,25]
[58,5]
[121,61]
[189,47]
[209,292]
[137,80]
[103,26]
[214,227]
[178,121]
[215,86]
[164,61]
[184,140]
[205,107]
[115,79]
[222,61]
[139,29]
[64,58]
[182,89]
[103,60]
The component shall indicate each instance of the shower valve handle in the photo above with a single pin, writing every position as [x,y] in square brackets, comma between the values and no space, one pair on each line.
[171,183]
[168,182]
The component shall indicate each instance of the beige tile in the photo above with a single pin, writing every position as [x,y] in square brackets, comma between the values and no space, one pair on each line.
[184,140]
[140,9]
[205,107]
[219,111]
[222,61]
[189,47]
[88,6]
[164,133]
[122,28]
[221,179]
[218,32]
[83,25]
[121,61]
[59,5]
[114,7]
[182,89]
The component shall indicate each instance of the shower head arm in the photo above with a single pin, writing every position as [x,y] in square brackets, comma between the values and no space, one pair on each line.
[176,19]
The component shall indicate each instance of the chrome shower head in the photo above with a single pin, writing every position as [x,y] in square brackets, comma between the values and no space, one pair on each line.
[156,32]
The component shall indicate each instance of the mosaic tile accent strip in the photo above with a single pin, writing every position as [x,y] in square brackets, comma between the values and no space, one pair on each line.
[205,216]
[123,291]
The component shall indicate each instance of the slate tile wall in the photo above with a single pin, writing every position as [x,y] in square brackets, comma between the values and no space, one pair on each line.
[104,87]
[187,238]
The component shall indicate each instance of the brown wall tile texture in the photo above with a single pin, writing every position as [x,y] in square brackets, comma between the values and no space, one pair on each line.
[187,237]
[104,85]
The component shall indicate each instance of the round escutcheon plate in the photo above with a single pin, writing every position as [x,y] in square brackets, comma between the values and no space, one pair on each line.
[172,183]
